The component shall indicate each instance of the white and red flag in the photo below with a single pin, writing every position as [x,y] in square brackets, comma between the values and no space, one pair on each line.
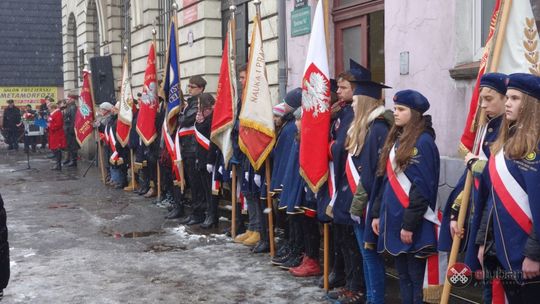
[257,133]
[225,106]
[146,121]
[315,107]
[512,46]
[125,111]
[84,116]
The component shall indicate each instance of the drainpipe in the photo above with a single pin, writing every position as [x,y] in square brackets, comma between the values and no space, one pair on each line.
[282,47]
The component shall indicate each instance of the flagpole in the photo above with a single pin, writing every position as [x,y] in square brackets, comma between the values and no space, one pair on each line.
[180,164]
[257,4]
[100,152]
[456,240]
[326,226]
[234,203]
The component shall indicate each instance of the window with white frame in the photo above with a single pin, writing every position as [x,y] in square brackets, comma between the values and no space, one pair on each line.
[482,11]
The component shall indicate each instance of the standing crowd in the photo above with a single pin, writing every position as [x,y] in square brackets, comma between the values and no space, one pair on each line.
[381,194]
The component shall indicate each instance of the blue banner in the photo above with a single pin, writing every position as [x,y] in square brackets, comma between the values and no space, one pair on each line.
[171,85]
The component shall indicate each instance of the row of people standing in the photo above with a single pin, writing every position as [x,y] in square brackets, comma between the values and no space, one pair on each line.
[500,235]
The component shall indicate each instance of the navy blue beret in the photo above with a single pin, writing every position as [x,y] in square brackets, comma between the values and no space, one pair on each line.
[369,88]
[526,83]
[293,98]
[412,99]
[359,72]
[495,81]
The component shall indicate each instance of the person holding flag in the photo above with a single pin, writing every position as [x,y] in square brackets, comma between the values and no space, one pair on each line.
[511,217]
[492,97]
[345,241]
[188,148]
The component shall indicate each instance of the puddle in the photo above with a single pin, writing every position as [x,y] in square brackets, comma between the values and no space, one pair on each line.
[130,235]
[164,248]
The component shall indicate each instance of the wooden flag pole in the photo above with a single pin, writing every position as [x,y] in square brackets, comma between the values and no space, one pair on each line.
[132,161]
[456,241]
[158,186]
[257,4]
[270,209]
[326,258]
[326,226]
[233,203]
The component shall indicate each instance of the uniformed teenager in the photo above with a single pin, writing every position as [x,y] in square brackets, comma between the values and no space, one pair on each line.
[365,140]
[345,239]
[511,219]
[309,225]
[492,97]
[203,121]
[404,214]
[188,145]
[283,114]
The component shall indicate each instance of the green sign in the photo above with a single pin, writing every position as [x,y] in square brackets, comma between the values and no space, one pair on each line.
[301,21]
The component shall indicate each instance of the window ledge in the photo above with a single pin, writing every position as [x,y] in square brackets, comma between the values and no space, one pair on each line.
[465,71]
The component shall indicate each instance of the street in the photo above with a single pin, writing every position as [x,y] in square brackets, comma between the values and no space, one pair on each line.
[73,240]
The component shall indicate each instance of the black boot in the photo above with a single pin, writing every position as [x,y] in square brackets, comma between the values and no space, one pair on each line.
[262,247]
[211,220]
[58,154]
[177,212]
[73,162]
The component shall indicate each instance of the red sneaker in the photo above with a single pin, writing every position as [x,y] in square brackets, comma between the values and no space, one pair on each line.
[309,267]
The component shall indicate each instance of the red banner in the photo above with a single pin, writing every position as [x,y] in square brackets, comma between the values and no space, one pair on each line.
[224,109]
[469,133]
[85,113]
[146,121]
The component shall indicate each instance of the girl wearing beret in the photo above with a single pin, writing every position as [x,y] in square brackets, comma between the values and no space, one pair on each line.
[492,96]
[404,212]
[365,139]
[511,219]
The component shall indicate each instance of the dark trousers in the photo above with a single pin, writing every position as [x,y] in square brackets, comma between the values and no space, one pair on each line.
[30,141]
[197,188]
[337,261]
[263,230]
[205,180]
[411,278]
[346,243]
[312,236]
[12,138]
[295,234]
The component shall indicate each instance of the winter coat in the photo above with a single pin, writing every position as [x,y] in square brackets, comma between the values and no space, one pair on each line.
[12,117]
[57,137]
[4,248]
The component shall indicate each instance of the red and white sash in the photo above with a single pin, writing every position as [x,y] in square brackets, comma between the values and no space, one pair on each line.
[173,148]
[514,199]
[112,144]
[201,139]
[186,131]
[401,185]
[353,178]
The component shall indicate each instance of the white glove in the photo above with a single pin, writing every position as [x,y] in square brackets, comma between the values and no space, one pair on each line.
[356,218]
[257,180]
[246,176]
[209,168]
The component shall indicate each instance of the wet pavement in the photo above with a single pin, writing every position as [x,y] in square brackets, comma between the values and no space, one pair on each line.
[73,240]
